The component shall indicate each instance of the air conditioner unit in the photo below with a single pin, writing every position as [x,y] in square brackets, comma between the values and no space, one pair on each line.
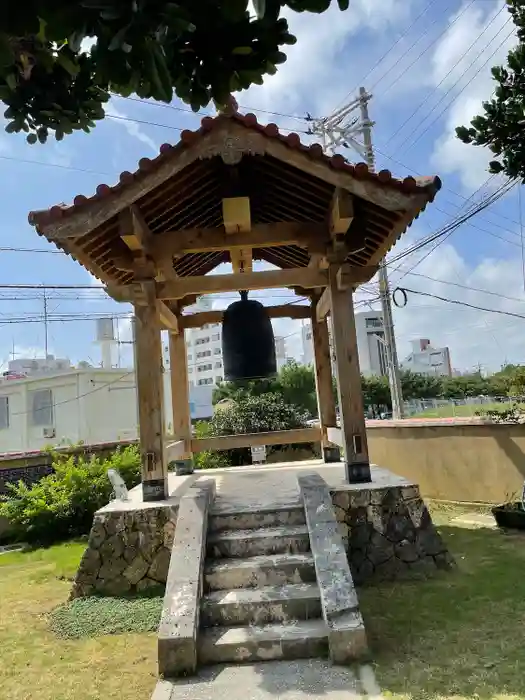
[48,432]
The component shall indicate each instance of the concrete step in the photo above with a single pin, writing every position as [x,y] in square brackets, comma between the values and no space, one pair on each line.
[255,572]
[300,640]
[227,519]
[264,540]
[261,606]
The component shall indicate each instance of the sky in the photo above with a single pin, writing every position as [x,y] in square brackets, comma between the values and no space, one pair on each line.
[427,65]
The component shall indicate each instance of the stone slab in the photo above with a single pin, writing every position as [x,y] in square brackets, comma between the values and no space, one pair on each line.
[177,636]
[259,606]
[300,639]
[246,543]
[263,570]
[340,605]
[273,680]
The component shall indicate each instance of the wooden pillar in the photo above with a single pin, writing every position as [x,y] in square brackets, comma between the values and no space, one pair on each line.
[323,384]
[180,393]
[148,368]
[351,409]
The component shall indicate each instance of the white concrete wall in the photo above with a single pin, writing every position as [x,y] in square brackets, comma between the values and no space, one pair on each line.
[88,405]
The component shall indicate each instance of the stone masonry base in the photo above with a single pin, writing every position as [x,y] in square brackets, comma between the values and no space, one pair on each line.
[389,533]
[128,551]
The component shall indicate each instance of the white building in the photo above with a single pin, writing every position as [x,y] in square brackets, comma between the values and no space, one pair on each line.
[426,359]
[204,349]
[92,406]
[369,331]
[37,366]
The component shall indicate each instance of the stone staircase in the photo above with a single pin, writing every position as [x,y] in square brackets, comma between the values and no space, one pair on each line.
[261,600]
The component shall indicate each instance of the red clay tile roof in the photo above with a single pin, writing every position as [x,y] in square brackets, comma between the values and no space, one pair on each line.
[410,185]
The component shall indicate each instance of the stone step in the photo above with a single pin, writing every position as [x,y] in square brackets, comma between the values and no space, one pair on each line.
[247,519]
[264,540]
[261,606]
[299,640]
[262,570]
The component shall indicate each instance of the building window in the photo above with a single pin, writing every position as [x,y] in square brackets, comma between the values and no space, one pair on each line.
[374,322]
[308,335]
[216,336]
[41,407]
[202,382]
[204,353]
[202,341]
[189,358]
[190,370]
[204,368]
[218,365]
[4,412]
[217,351]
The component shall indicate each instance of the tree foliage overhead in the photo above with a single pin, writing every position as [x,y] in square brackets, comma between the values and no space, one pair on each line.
[502,126]
[199,50]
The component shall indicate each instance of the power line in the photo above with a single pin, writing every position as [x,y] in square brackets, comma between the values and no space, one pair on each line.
[418,138]
[379,61]
[425,100]
[432,43]
[405,290]
[464,286]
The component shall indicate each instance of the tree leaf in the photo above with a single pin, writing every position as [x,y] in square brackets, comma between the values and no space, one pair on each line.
[242,51]
[31,138]
[67,64]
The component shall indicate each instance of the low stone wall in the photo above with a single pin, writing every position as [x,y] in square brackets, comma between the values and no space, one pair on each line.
[389,533]
[129,549]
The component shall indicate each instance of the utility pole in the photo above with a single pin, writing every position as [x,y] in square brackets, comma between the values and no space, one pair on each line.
[384,288]
[45,326]
[345,129]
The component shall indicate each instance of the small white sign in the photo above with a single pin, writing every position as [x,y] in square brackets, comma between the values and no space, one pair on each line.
[258,454]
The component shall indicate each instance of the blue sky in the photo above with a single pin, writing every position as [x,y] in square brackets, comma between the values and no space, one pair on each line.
[431,58]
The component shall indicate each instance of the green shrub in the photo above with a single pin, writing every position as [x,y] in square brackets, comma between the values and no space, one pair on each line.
[208,459]
[62,504]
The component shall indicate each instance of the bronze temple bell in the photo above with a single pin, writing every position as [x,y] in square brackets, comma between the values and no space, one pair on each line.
[248,344]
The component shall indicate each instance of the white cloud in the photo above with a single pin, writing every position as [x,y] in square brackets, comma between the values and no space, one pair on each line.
[493,28]
[133,129]
[317,74]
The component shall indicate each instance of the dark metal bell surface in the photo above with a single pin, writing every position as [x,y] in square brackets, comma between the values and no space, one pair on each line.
[248,343]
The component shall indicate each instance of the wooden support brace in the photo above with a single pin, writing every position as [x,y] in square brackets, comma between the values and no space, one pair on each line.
[167,318]
[341,212]
[322,308]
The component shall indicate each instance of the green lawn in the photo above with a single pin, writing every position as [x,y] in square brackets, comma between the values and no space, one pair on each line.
[458,636]
[465,411]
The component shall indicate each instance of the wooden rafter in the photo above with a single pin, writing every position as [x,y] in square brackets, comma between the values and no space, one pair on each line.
[198,320]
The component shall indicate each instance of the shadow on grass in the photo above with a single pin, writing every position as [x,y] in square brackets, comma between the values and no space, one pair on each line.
[459,634]
[101,615]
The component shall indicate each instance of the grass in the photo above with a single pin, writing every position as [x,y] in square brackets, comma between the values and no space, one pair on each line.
[463,411]
[36,663]
[457,636]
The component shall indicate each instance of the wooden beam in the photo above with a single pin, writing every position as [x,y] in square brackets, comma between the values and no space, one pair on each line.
[341,211]
[150,391]
[242,260]
[180,392]
[167,318]
[236,214]
[348,276]
[322,308]
[351,407]
[133,230]
[279,437]
[324,382]
[208,240]
[271,279]
[281,311]
[177,449]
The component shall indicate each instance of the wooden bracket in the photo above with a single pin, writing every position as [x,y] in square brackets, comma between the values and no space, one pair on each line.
[341,212]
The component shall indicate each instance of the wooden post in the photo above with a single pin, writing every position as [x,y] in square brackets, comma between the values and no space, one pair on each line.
[148,367]
[180,393]
[323,383]
[351,407]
